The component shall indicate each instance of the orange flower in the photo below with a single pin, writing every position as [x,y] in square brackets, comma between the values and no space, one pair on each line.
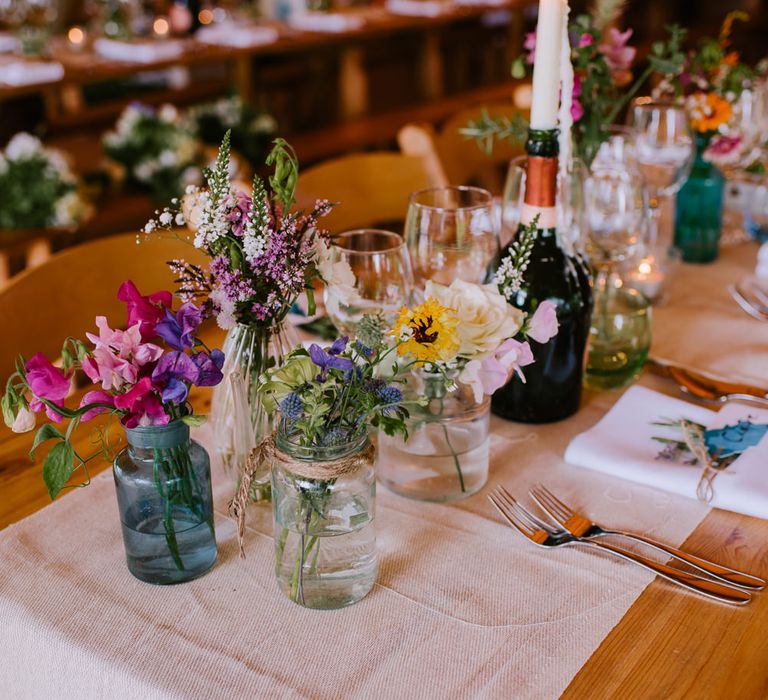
[708,111]
[731,58]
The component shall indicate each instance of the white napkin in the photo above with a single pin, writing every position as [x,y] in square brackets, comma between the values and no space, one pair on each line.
[325,21]
[19,72]
[241,37]
[138,51]
[419,8]
[622,445]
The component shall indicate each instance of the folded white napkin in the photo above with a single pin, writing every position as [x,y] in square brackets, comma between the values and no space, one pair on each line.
[622,445]
[19,72]
[419,8]
[241,37]
[325,21]
[138,51]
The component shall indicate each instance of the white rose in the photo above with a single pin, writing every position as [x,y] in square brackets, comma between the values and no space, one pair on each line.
[24,422]
[485,318]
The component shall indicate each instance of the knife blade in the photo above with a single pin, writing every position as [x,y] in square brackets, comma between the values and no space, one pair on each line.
[701,384]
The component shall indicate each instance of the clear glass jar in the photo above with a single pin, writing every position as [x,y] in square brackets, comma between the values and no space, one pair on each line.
[238,419]
[446,455]
[163,482]
[325,540]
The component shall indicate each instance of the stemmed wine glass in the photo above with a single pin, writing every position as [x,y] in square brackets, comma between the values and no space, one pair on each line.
[616,204]
[664,149]
[383,277]
[451,234]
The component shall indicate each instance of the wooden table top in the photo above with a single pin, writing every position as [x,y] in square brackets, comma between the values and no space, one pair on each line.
[668,645]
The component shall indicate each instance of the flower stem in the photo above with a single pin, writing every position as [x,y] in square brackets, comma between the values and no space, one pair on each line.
[456,461]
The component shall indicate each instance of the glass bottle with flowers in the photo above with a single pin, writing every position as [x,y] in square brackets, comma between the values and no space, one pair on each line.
[712,83]
[263,256]
[322,464]
[461,344]
[162,478]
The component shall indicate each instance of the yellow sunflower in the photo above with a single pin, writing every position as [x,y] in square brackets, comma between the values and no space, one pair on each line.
[428,332]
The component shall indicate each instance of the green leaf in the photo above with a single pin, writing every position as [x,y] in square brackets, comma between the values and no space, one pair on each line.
[194,421]
[46,432]
[58,467]
[518,68]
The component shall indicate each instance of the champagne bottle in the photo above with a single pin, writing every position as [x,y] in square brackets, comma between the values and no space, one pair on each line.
[552,389]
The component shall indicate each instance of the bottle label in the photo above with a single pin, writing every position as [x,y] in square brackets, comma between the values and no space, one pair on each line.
[541,182]
[547,216]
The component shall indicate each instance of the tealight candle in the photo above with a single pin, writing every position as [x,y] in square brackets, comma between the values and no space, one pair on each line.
[76,37]
[161,27]
[546,64]
[648,278]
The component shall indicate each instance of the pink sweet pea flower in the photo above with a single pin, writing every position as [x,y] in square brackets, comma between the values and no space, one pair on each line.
[585,40]
[529,44]
[486,376]
[724,150]
[146,310]
[142,405]
[618,55]
[96,396]
[577,109]
[118,355]
[46,382]
[543,325]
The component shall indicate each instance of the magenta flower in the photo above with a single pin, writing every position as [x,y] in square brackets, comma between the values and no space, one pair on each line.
[543,324]
[118,355]
[46,382]
[529,44]
[146,310]
[178,331]
[618,55]
[577,109]
[96,396]
[585,40]
[142,405]
[724,150]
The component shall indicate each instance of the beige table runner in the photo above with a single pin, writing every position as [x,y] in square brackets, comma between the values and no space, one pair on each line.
[462,606]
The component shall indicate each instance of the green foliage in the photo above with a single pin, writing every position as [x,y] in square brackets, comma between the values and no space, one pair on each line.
[285,177]
[58,467]
[44,433]
[487,129]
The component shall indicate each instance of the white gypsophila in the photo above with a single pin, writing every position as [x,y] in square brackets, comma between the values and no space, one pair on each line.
[59,164]
[165,218]
[180,220]
[127,121]
[167,158]
[23,146]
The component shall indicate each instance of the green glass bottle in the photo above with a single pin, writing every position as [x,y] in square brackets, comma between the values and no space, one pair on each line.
[552,389]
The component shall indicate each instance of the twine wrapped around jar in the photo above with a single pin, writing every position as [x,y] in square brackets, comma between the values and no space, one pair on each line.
[268,452]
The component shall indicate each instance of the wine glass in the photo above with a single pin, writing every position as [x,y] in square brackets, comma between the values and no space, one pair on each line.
[619,337]
[383,277]
[451,234]
[664,148]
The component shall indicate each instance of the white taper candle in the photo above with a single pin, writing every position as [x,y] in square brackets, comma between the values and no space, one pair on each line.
[546,65]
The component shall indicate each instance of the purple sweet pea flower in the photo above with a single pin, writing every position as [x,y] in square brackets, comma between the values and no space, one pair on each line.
[329,360]
[173,369]
[209,367]
[178,331]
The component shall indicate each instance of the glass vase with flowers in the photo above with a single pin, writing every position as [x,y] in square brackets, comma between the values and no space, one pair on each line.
[263,256]
[143,377]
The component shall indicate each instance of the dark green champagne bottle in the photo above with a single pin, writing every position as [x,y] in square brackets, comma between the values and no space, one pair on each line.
[552,389]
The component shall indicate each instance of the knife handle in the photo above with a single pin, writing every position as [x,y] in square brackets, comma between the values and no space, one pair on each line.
[705,387]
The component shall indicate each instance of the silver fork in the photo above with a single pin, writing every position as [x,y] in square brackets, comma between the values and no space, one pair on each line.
[544,535]
[582,527]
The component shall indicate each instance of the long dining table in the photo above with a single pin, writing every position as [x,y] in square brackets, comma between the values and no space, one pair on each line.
[463,606]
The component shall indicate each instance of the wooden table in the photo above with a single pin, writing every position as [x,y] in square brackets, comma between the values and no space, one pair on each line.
[668,645]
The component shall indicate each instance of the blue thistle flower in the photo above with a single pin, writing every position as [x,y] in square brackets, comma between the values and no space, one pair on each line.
[364,349]
[292,406]
[335,436]
[390,394]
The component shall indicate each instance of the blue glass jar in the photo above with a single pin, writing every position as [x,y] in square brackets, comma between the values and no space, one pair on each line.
[699,209]
[163,482]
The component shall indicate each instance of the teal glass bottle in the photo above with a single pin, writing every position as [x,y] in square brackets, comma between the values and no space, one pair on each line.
[163,482]
[699,209]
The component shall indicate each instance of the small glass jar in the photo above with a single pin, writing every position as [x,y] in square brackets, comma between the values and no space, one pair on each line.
[446,454]
[163,482]
[325,540]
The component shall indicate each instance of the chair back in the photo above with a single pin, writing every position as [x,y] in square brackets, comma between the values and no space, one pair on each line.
[461,159]
[43,305]
[371,188]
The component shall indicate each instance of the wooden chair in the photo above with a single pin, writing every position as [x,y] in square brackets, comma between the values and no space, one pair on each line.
[371,188]
[456,159]
[43,305]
